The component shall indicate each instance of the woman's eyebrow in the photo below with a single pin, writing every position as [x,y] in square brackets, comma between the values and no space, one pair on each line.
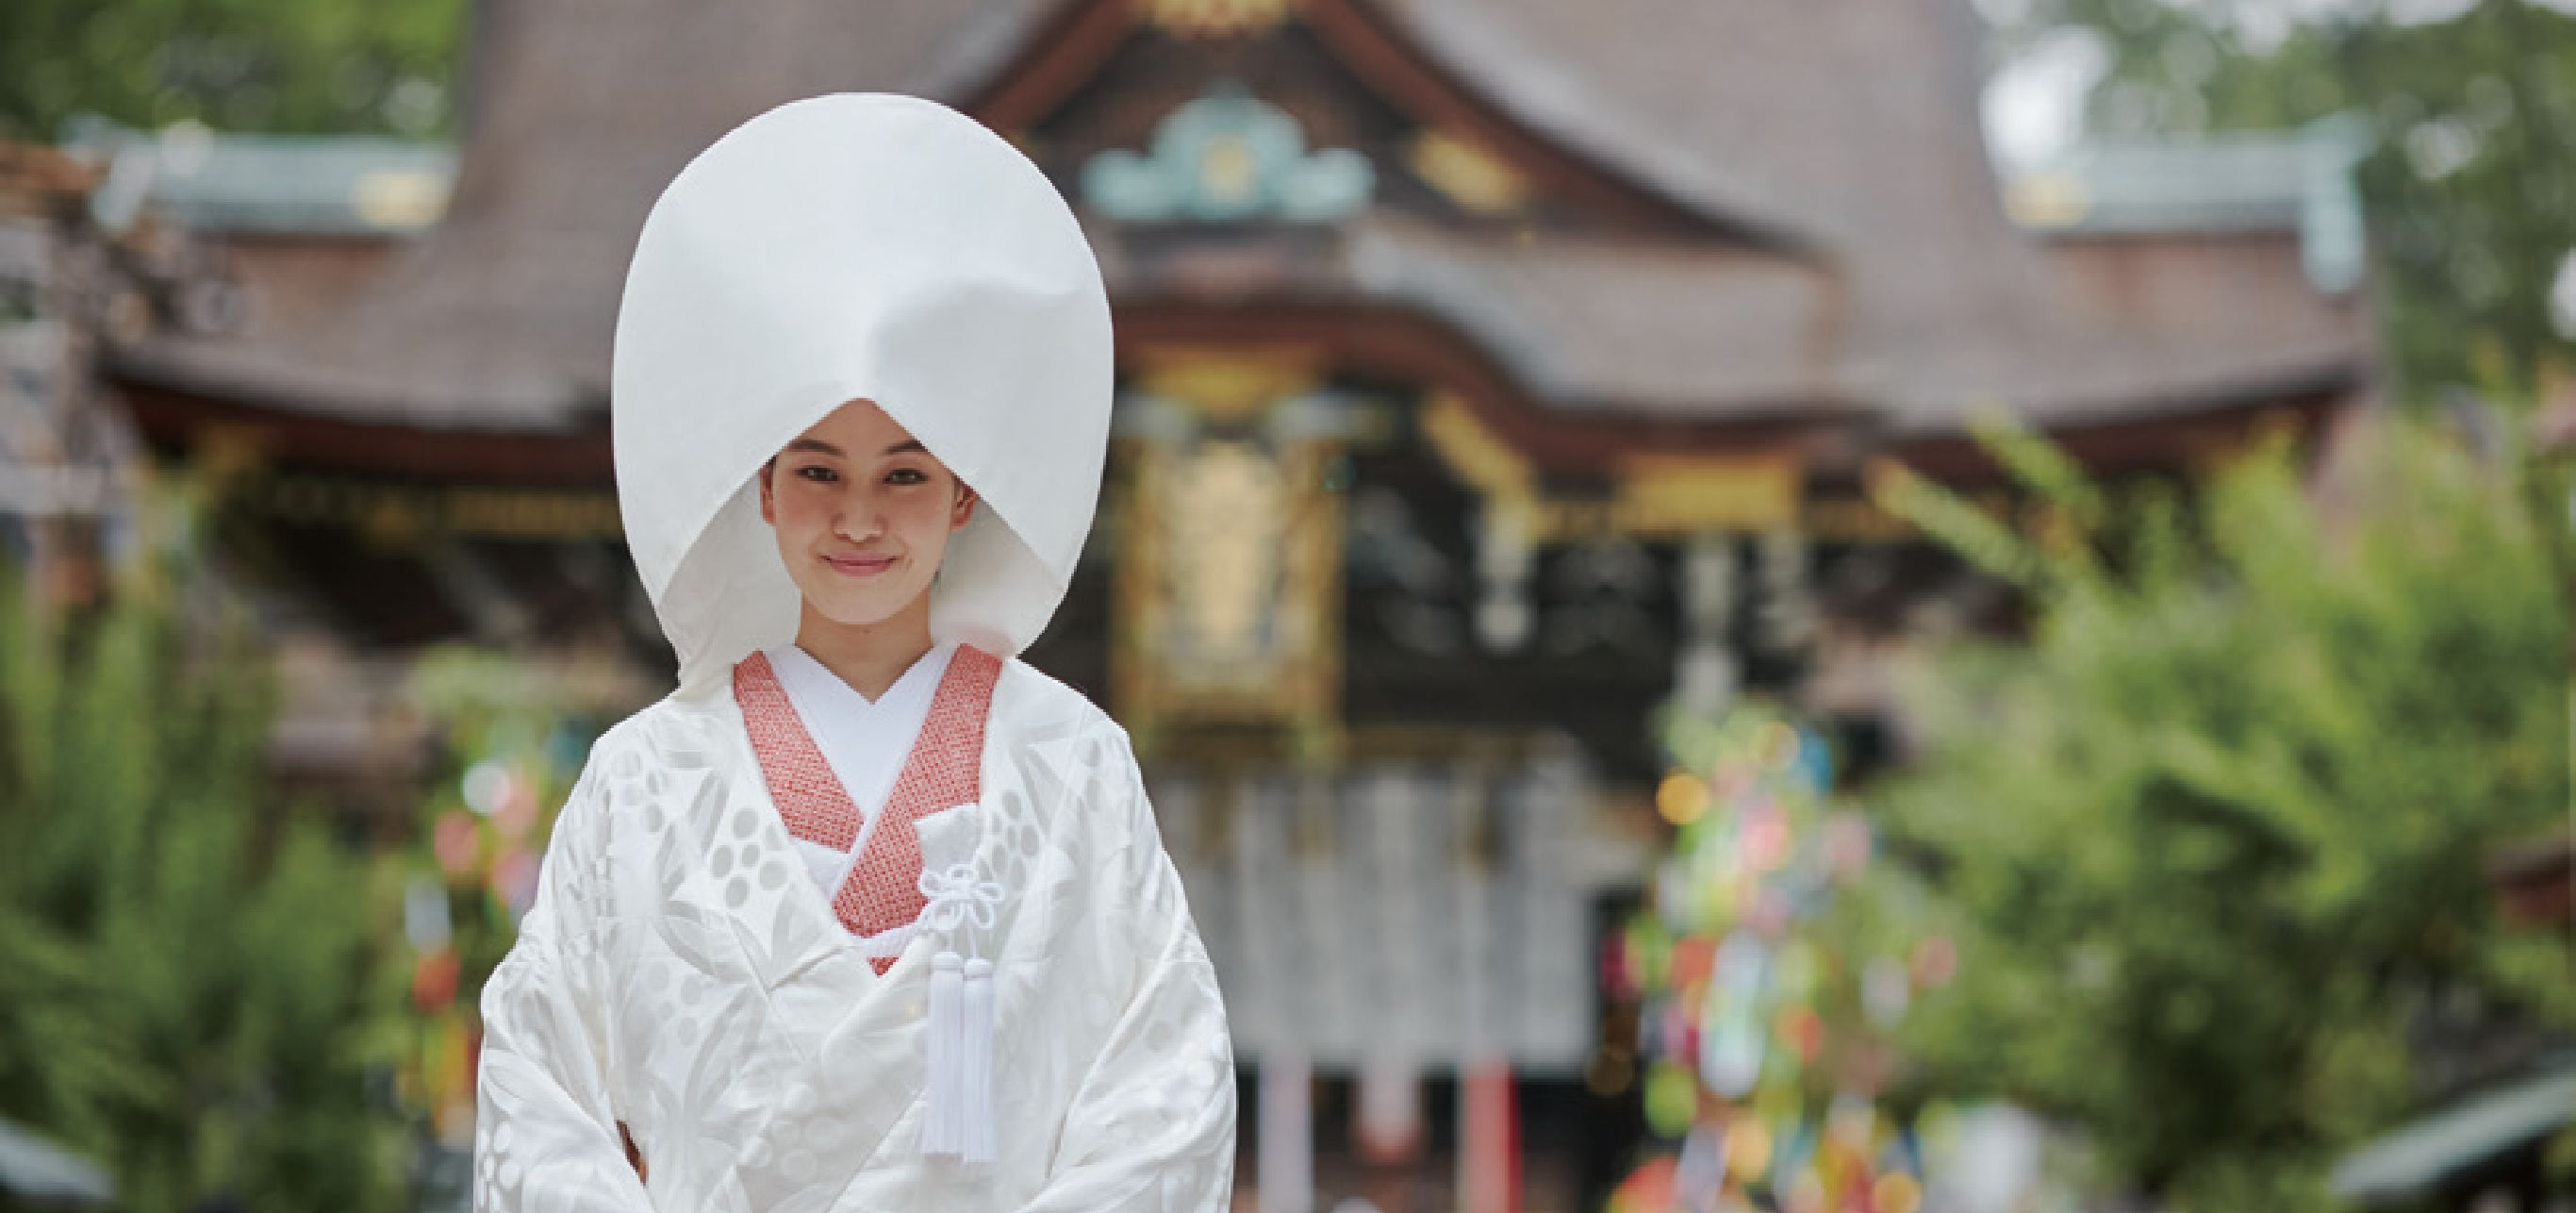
[814,444]
[901,447]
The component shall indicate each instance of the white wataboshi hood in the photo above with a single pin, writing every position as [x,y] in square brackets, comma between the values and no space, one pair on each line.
[858,246]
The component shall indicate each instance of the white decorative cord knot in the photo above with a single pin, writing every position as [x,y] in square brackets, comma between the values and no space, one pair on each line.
[957,898]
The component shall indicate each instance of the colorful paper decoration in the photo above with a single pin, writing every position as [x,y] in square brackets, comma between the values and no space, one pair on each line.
[1769,970]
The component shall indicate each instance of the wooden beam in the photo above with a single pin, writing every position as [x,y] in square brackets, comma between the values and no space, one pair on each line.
[178,422]
[1062,54]
[1398,343]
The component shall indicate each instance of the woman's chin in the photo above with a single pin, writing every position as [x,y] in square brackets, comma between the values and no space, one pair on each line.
[856,611]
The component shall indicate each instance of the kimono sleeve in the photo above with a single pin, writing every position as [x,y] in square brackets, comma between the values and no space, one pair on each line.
[545,1140]
[1152,1127]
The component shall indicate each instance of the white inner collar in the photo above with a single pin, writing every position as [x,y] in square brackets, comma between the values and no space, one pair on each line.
[864,743]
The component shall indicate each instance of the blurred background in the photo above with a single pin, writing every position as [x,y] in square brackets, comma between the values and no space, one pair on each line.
[1834,606]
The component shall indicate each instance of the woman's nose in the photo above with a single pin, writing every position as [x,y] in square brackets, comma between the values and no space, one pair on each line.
[859,518]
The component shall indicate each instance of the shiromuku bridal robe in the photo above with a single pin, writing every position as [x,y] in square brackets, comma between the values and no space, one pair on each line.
[973,983]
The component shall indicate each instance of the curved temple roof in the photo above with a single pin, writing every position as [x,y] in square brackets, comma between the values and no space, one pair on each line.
[1848,131]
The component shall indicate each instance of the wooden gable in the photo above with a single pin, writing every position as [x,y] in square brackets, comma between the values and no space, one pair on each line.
[1109,76]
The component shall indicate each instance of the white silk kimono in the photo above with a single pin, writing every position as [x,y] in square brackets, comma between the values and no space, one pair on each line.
[681,975]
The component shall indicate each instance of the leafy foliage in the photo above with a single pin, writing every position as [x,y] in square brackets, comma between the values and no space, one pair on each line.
[2217,829]
[192,989]
[308,66]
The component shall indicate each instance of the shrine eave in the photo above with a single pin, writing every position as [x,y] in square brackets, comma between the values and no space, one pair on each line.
[1396,344]
[176,419]
[300,375]
[2180,434]
[1376,339]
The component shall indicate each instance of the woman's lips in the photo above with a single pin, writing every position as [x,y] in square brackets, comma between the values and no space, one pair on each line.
[859,566]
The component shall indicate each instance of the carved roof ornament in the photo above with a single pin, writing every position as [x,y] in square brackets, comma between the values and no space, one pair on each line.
[1229,157]
[1216,18]
[1479,181]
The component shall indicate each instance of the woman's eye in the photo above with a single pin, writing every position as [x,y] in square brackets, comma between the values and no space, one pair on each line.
[817,473]
[907,476]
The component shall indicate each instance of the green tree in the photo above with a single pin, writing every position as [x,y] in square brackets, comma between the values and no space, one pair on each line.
[304,66]
[2470,189]
[2214,831]
[193,978]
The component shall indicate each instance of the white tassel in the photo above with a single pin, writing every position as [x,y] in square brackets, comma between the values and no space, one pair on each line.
[942,1127]
[975,1068]
[957,1119]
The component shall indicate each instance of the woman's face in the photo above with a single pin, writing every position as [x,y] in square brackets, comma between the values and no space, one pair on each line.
[862,513]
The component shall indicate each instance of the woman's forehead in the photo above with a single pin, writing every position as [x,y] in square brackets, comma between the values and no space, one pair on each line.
[858,425]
